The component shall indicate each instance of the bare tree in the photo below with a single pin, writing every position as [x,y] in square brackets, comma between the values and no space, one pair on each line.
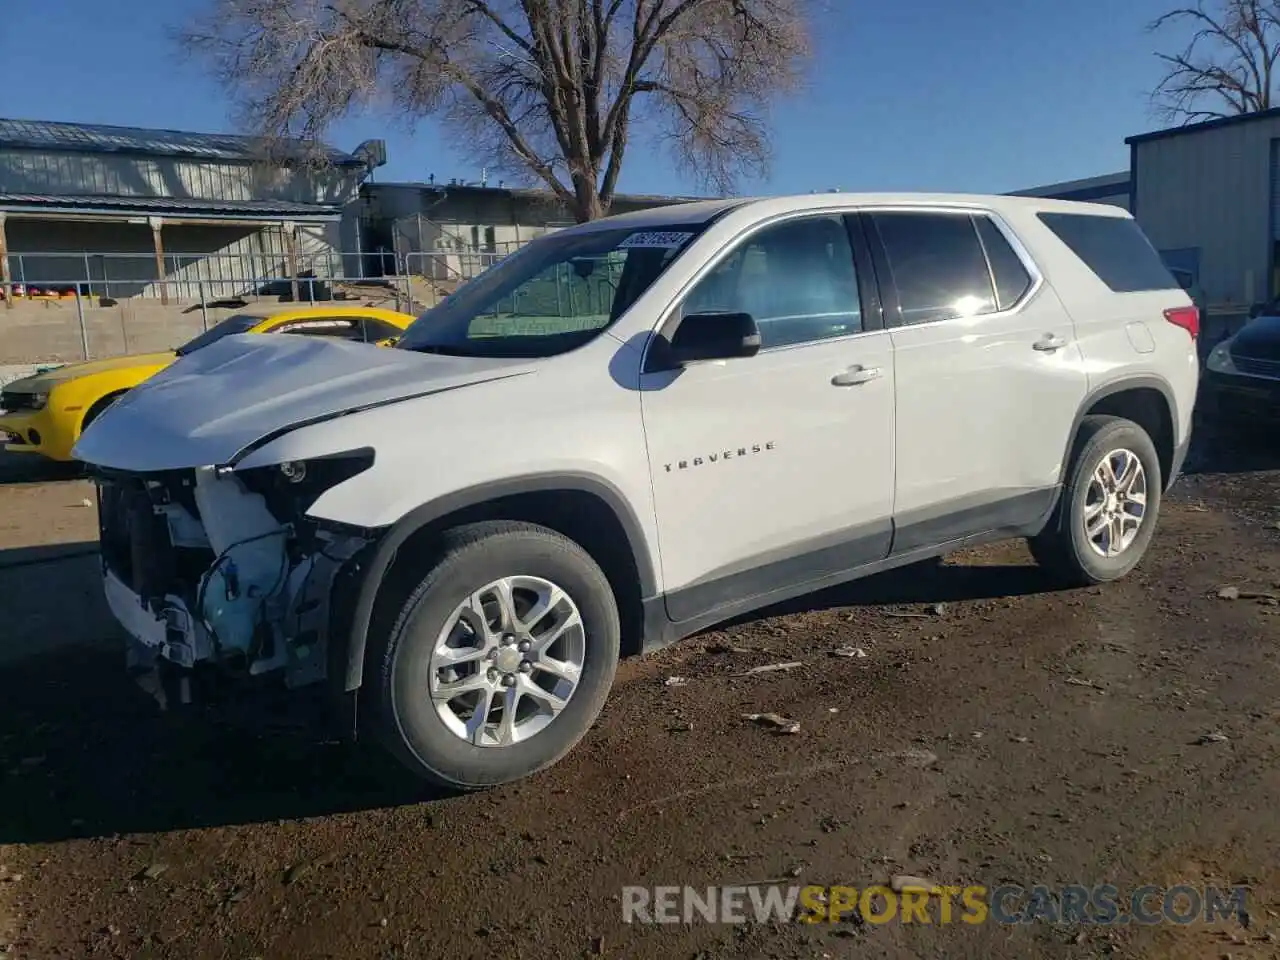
[548,90]
[1228,64]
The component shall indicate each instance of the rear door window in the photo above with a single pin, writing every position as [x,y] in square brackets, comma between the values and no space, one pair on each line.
[1115,249]
[938,265]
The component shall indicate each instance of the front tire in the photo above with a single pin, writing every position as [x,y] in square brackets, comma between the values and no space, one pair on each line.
[1109,507]
[501,658]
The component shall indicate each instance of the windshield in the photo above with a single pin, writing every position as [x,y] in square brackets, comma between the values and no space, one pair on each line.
[551,296]
[236,323]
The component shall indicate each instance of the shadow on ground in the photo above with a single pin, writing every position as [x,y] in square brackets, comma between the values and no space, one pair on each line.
[931,581]
[50,599]
[85,753]
[1222,445]
[25,557]
[29,468]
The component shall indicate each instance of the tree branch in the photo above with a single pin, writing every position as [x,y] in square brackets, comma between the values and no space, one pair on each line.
[1230,57]
[550,90]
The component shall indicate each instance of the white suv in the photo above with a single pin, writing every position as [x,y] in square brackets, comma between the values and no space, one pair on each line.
[630,430]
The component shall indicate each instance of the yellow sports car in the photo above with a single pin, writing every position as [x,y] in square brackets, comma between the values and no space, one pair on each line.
[45,413]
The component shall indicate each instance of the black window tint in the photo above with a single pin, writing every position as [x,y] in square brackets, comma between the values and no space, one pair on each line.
[231,326]
[1114,248]
[1010,273]
[796,279]
[937,265]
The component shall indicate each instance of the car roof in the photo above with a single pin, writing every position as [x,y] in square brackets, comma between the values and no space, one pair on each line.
[701,211]
[696,211]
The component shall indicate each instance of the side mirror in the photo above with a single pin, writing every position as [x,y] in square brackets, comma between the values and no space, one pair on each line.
[715,336]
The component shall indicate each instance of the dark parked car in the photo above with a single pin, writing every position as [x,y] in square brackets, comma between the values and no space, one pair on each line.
[1242,373]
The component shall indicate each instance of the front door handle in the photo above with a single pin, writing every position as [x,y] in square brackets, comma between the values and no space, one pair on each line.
[1048,343]
[855,375]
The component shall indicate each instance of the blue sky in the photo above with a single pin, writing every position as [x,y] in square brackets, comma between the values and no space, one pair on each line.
[972,95]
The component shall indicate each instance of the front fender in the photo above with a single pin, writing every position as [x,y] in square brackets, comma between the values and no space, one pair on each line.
[378,561]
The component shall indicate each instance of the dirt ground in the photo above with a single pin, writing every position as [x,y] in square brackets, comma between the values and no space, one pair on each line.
[1015,734]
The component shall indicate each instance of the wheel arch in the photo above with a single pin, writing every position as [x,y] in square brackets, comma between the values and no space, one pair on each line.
[1148,401]
[95,409]
[588,509]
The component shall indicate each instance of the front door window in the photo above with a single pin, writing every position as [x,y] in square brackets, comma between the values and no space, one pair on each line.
[796,280]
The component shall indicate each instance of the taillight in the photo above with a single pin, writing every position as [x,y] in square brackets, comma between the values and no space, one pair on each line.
[1188,318]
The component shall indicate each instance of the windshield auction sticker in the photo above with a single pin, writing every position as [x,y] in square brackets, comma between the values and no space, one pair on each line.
[661,240]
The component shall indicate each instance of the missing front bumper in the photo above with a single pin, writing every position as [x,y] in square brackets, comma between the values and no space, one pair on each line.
[168,551]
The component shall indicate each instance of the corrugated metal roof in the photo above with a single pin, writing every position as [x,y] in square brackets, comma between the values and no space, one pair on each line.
[1087,190]
[1119,179]
[102,138]
[155,206]
[529,193]
[1203,125]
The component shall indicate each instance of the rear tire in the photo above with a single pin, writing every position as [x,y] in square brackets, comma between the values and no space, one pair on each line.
[1103,524]
[541,695]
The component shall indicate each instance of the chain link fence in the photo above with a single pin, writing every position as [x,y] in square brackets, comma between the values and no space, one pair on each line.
[61,308]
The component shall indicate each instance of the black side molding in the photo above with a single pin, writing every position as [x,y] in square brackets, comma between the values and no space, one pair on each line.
[842,557]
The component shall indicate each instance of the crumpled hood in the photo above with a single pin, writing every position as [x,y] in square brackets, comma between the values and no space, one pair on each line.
[210,405]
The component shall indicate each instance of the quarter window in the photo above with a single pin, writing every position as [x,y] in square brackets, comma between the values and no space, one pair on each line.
[796,280]
[1115,249]
[938,265]
[1007,269]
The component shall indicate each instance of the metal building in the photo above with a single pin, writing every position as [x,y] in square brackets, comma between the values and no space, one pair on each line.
[110,210]
[454,230]
[1207,194]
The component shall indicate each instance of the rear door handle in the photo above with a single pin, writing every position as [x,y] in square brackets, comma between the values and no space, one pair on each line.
[1048,343]
[855,375]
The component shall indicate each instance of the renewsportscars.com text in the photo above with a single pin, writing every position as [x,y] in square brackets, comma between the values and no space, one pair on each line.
[1073,904]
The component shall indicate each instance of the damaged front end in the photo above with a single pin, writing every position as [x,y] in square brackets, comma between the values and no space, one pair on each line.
[220,572]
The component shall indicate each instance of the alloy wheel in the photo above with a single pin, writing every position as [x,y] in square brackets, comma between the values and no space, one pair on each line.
[1115,503]
[508,661]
